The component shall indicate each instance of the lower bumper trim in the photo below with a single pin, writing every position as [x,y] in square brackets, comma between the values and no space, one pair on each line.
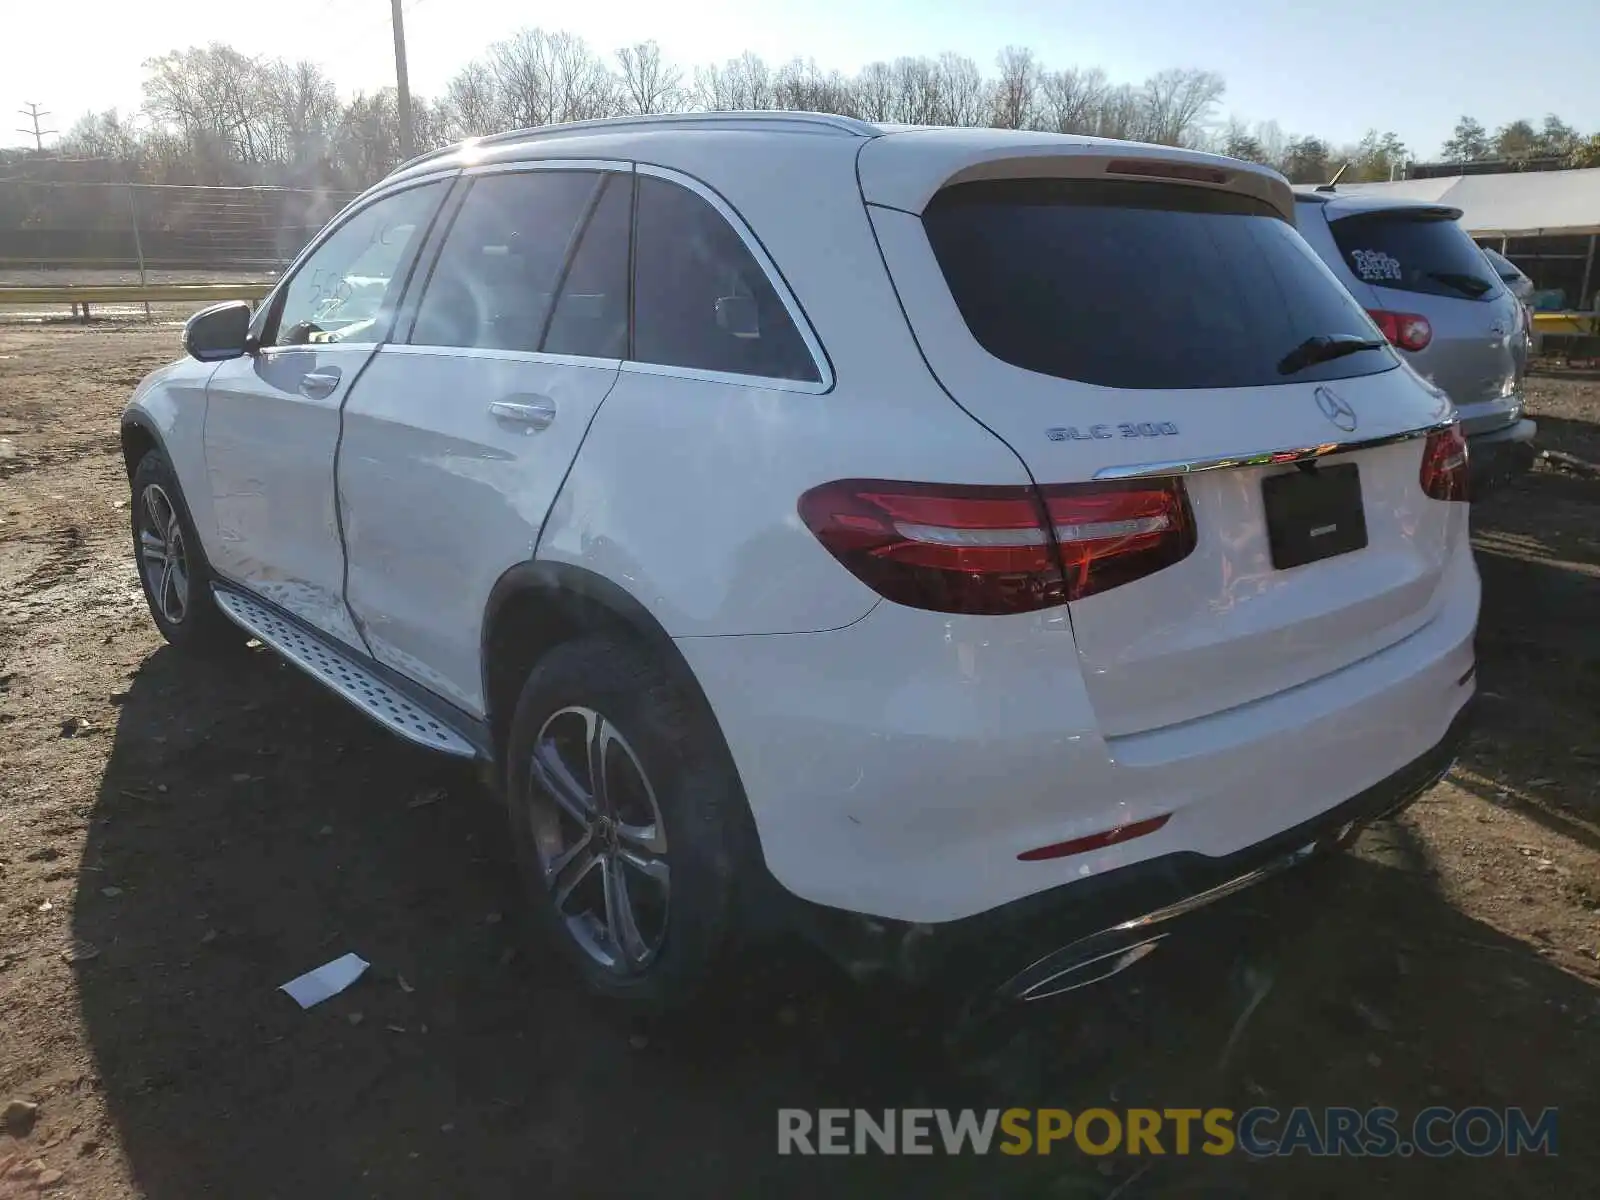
[1099,927]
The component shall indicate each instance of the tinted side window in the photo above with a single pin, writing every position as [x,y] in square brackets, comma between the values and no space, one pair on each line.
[591,315]
[700,298]
[1414,252]
[348,287]
[1139,285]
[497,273]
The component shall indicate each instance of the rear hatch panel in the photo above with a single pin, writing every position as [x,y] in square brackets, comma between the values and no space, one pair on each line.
[1222,627]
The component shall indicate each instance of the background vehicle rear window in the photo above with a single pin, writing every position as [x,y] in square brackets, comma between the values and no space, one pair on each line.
[1140,285]
[1415,252]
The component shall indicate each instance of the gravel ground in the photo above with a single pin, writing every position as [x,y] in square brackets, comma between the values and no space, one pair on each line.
[176,840]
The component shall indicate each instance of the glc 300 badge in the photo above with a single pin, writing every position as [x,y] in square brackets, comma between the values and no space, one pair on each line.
[1127,429]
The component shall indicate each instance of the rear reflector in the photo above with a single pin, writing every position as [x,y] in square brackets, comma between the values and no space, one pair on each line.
[1096,841]
[1409,331]
[993,550]
[1444,464]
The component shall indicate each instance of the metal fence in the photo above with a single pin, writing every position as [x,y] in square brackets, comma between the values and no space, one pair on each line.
[160,231]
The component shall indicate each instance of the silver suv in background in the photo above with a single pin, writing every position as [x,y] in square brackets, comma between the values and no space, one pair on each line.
[1435,297]
[1511,275]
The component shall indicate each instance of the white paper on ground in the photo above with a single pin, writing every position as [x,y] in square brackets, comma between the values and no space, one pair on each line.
[327,980]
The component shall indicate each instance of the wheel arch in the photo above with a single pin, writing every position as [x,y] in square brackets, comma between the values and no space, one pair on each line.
[536,605]
[139,437]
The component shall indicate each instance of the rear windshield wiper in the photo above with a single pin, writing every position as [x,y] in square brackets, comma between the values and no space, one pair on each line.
[1470,285]
[1324,347]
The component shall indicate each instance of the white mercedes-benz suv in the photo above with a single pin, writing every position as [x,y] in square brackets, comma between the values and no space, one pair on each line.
[946,540]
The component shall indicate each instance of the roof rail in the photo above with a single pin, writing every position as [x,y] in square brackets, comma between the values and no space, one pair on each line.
[810,122]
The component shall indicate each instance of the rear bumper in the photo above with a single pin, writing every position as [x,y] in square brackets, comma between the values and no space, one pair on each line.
[897,768]
[1103,925]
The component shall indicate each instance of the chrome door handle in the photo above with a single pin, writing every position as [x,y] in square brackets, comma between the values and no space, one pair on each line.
[317,384]
[534,413]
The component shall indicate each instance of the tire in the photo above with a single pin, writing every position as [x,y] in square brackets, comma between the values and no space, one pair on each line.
[674,842]
[176,587]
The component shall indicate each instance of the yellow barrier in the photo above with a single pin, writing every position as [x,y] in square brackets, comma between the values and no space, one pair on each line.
[133,293]
[1566,322]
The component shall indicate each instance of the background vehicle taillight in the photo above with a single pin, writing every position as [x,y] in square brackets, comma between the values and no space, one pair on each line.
[1444,464]
[969,549]
[1409,331]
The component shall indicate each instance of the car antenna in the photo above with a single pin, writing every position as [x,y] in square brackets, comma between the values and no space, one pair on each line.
[1337,175]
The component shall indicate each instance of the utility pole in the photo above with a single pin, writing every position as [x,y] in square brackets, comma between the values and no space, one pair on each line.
[35,114]
[403,84]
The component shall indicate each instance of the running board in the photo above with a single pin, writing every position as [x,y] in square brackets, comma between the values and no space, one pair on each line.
[344,673]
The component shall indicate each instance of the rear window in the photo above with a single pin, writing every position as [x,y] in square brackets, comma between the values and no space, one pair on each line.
[1140,285]
[1425,252]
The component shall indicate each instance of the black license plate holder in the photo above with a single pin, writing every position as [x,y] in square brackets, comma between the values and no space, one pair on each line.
[1314,514]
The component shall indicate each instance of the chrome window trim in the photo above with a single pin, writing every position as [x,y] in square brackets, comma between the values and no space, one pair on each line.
[316,347]
[549,164]
[775,280]
[1267,458]
[772,383]
[489,352]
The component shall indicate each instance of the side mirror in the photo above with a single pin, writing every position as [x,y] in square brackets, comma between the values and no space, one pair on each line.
[737,315]
[219,332]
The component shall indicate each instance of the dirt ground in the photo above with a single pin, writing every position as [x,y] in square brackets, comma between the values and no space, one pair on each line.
[176,840]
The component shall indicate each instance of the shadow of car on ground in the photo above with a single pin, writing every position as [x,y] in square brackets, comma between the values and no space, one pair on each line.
[256,829]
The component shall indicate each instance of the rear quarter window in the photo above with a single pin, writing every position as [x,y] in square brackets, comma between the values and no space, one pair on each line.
[1140,285]
[1422,252]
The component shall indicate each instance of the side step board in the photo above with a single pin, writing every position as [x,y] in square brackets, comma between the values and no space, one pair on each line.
[344,673]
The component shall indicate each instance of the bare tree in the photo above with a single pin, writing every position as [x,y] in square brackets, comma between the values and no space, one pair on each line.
[1120,114]
[918,91]
[875,92]
[472,102]
[962,92]
[741,84]
[648,83]
[1070,100]
[302,111]
[368,139]
[1273,142]
[1177,103]
[212,97]
[801,86]
[100,135]
[545,78]
[1016,91]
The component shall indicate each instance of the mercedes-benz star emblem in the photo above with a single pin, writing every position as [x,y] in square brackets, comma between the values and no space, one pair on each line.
[1336,409]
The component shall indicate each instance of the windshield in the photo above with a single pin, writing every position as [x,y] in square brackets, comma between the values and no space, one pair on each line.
[1141,285]
[1415,251]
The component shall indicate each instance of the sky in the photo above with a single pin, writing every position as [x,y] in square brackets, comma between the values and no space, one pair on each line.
[1333,69]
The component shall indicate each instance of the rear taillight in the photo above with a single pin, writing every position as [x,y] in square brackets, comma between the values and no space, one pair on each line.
[1409,331]
[1444,464]
[971,549]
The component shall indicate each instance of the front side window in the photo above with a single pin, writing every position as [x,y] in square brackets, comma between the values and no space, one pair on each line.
[1142,285]
[345,290]
[496,277]
[701,300]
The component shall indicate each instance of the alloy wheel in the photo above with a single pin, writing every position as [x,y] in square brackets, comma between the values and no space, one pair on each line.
[600,839]
[162,555]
